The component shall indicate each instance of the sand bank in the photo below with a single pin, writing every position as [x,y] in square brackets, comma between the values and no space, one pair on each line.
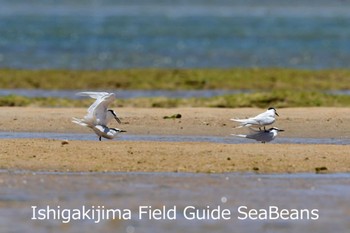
[51,155]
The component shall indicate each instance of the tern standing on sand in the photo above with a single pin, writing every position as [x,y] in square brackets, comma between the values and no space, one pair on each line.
[99,115]
[261,120]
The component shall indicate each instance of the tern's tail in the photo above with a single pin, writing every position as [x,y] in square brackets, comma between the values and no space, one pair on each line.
[80,122]
[239,120]
[243,122]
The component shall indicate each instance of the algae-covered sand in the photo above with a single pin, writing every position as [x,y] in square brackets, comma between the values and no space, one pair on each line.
[178,79]
[263,87]
[278,99]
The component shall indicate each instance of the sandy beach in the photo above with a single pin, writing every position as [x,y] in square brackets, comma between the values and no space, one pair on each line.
[114,155]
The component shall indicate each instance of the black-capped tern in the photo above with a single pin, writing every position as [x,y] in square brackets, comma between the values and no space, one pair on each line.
[261,136]
[101,130]
[261,120]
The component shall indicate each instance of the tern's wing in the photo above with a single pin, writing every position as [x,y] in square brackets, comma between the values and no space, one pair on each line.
[246,122]
[92,94]
[98,110]
[264,118]
[261,114]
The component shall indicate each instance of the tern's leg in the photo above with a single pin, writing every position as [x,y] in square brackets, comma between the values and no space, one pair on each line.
[100,138]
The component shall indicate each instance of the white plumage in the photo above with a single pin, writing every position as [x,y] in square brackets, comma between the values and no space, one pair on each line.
[261,120]
[98,112]
[100,130]
[99,115]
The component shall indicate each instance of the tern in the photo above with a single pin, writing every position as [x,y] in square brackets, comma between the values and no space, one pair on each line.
[101,130]
[261,136]
[261,120]
[98,112]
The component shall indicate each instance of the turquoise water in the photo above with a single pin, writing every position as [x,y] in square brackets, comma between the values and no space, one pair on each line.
[149,33]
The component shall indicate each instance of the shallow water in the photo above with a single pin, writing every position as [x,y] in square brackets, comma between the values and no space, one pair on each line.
[339,92]
[171,138]
[128,94]
[121,94]
[329,194]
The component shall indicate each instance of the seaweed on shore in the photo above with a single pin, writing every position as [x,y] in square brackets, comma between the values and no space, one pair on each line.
[280,99]
[262,79]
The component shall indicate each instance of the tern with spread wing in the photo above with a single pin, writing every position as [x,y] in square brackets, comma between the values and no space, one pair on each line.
[261,136]
[99,115]
[261,120]
[98,112]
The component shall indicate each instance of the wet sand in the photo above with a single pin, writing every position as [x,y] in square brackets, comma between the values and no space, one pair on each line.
[51,155]
[298,122]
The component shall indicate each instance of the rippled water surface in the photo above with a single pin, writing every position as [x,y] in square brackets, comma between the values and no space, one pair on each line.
[329,194]
[160,33]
